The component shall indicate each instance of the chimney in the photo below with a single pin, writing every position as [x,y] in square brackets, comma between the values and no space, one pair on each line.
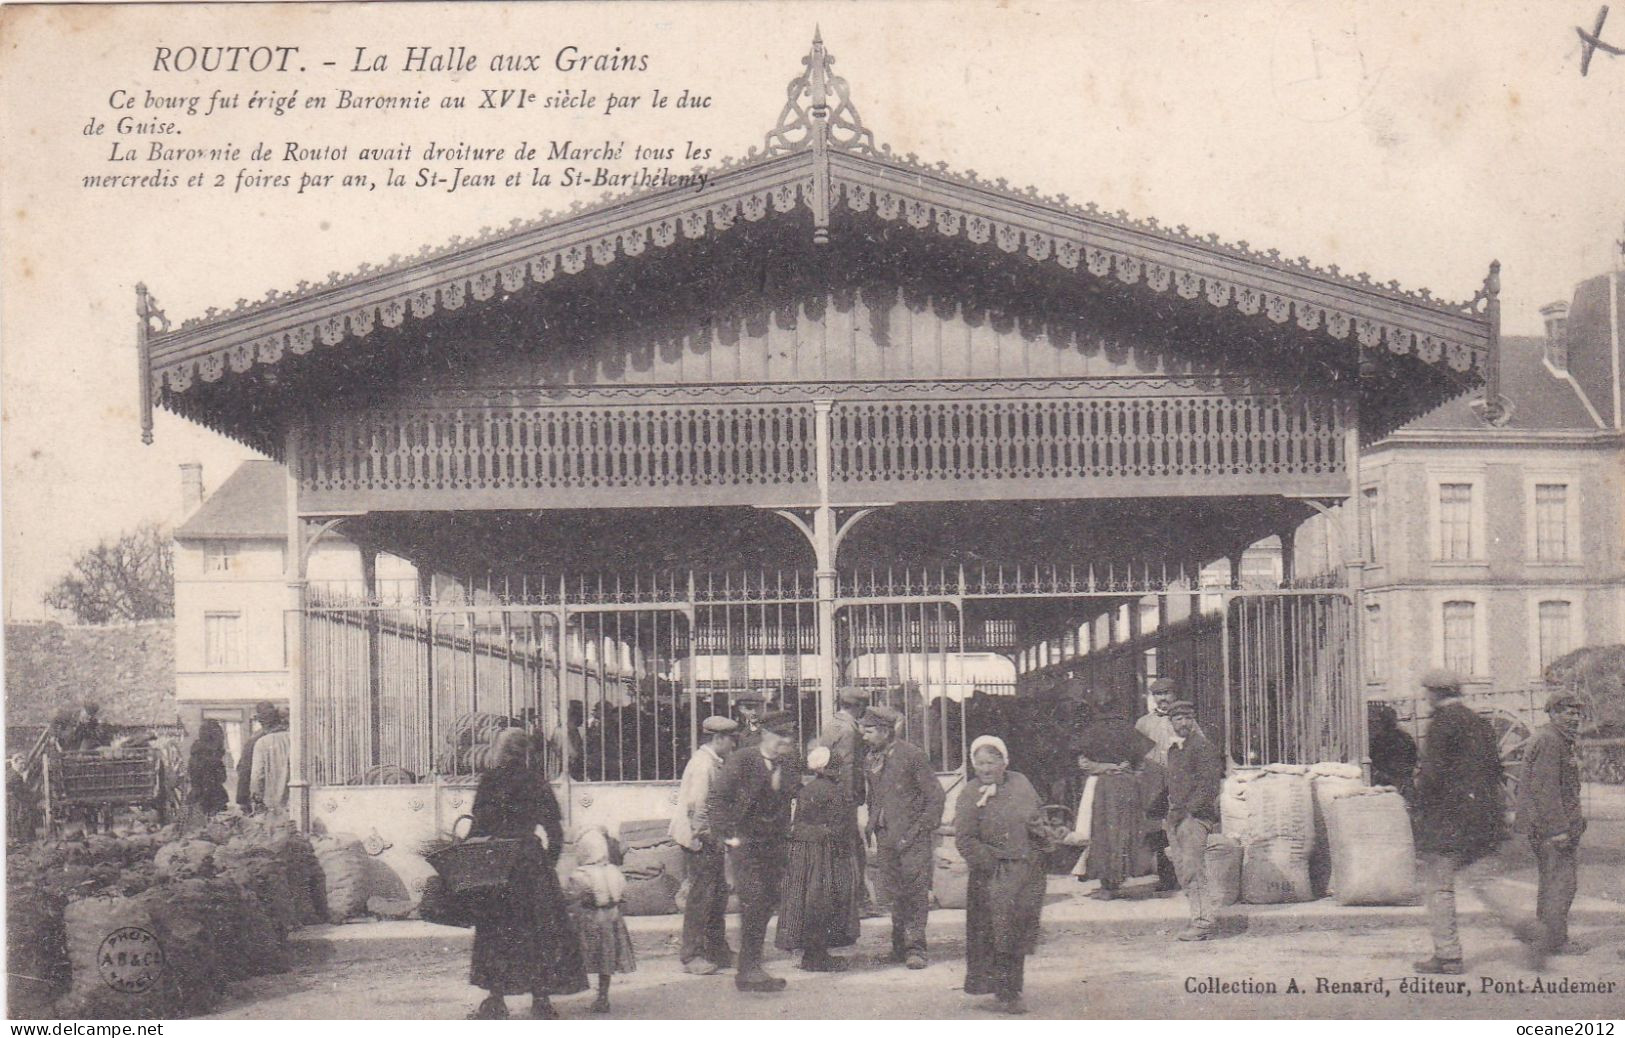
[191,488]
[1556,317]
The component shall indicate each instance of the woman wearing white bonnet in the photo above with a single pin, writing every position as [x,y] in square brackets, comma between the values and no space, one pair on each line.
[819,910]
[998,829]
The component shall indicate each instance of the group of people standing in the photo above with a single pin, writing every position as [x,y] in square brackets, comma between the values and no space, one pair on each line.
[1165,767]
[790,834]
[261,775]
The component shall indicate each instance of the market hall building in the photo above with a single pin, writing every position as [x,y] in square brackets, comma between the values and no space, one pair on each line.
[840,417]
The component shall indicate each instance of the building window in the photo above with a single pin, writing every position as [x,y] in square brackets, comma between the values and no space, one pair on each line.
[1551,522]
[219,557]
[222,639]
[1369,526]
[1455,522]
[1376,644]
[1459,623]
[1556,631]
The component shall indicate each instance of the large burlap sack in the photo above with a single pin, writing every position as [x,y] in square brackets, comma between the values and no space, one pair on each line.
[664,857]
[139,958]
[1221,864]
[1373,856]
[1275,872]
[37,969]
[650,895]
[950,880]
[186,858]
[1234,817]
[645,833]
[1328,781]
[282,839]
[265,876]
[346,872]
[1281,806]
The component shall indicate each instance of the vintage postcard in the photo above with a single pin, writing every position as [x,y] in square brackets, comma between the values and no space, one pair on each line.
[774,511]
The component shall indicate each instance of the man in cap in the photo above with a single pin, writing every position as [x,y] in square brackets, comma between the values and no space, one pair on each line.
[705,937]
[749,813]
[266,717]
[1548,812]
[1158,727]
[1195,773]
[844,741]
[905,808]
[748,707]
[1460,819]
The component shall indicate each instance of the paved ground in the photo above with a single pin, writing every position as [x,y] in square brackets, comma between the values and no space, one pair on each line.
[1072,975]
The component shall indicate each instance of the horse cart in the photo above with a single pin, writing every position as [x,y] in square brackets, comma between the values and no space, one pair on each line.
[90,785]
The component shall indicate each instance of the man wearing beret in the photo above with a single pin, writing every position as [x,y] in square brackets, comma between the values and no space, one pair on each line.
[749,812]
[1195,773]
[1460,818]
[1548,812]
[705,938]
[905,807]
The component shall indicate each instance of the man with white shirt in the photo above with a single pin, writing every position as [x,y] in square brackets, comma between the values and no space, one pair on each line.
[705,940]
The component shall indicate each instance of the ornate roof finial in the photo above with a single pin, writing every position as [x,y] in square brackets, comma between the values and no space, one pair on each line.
[809,112]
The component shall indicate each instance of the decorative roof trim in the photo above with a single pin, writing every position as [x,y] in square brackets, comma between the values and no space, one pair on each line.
[821,155]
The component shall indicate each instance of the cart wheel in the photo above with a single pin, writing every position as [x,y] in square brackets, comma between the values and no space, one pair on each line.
[1512,737]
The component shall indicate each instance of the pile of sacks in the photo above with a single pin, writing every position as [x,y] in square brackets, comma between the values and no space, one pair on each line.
[1307,831]
[154,925]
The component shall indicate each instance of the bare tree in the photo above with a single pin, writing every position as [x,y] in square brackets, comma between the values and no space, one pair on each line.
[129,578]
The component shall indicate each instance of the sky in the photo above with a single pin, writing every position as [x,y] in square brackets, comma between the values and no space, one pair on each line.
[1415,141]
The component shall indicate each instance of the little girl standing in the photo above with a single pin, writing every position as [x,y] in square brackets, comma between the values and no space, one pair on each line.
[594,891]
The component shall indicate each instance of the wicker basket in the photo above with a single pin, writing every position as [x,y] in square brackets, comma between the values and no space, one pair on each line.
[476,865]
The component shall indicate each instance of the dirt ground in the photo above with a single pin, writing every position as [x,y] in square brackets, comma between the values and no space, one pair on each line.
[1070,977]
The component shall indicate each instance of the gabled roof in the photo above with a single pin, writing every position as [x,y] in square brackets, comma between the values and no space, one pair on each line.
[819,158]
[1540,399]
[252,504]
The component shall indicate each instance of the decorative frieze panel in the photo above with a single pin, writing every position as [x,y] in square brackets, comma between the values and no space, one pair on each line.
[648,455]
[436,450]
[1085,438]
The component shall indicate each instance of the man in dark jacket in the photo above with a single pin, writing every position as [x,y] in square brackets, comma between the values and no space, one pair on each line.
[749,811]
[1548,812]
[905,808]
[266,718]
[1195,773]
[1460,818]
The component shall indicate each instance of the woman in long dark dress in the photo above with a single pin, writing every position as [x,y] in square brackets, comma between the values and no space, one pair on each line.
[819,908]
[1109,753]
[523,937]
[999,831]
[206,769]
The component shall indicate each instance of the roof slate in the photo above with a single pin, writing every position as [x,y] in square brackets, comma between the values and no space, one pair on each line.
[1541,401]
[250,505]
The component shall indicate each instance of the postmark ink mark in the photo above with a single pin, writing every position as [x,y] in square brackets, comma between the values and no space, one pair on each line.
[1591,42]
[130,960]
